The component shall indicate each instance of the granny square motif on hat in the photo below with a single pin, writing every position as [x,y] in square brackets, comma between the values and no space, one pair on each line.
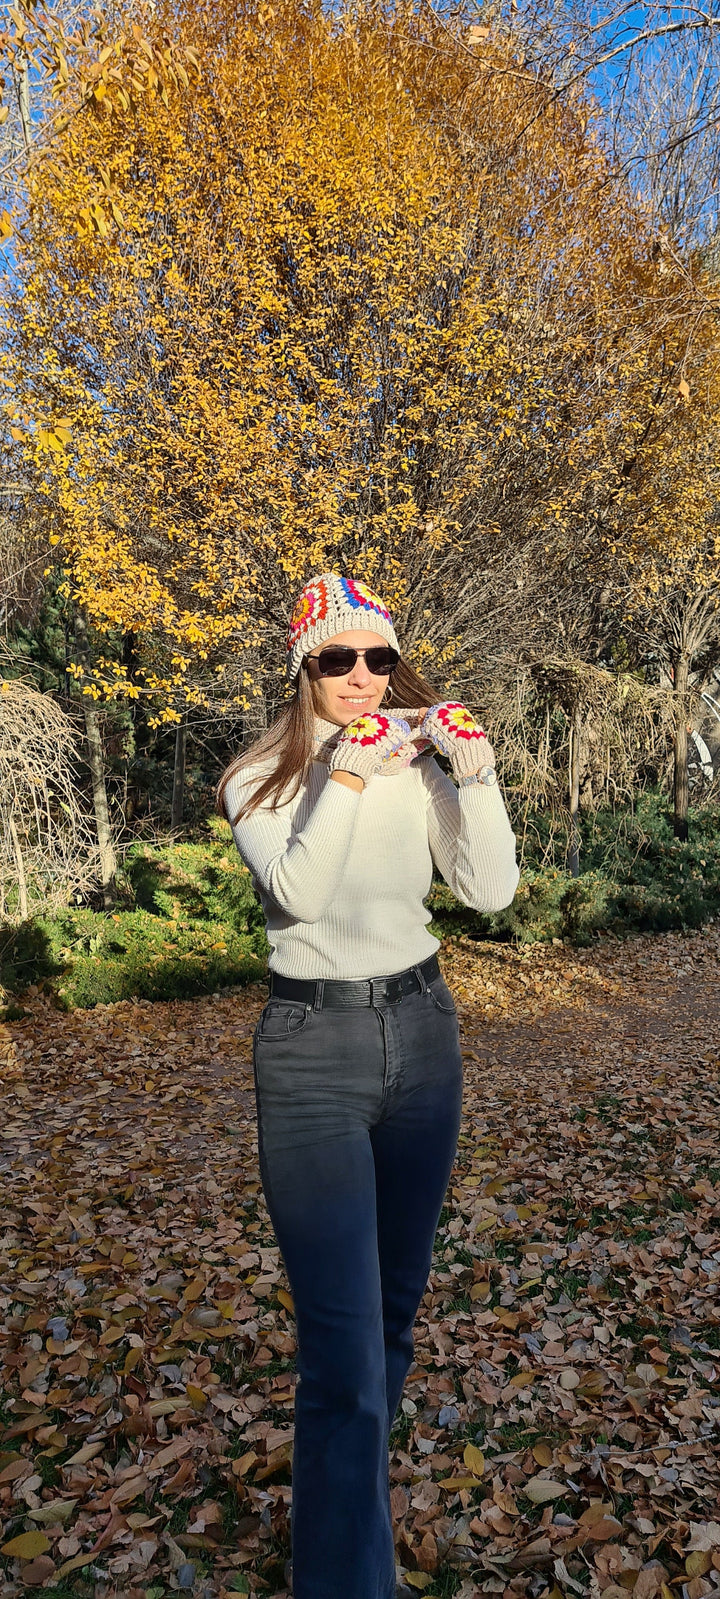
[329,605]
[358,594]
[310,608]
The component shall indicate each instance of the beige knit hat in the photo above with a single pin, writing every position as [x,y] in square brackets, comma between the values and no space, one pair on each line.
[328,605]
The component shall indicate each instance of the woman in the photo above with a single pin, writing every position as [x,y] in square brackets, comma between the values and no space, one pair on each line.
[339,812]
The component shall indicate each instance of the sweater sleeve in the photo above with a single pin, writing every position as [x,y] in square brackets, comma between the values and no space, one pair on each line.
[471,840]
[300,871]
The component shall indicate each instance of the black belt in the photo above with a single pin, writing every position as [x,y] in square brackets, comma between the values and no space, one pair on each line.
[344,995]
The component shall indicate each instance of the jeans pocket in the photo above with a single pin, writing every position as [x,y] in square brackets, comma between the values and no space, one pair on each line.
[281,1019]
[441,997]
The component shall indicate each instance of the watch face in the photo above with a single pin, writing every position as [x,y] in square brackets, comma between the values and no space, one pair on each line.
[488,775]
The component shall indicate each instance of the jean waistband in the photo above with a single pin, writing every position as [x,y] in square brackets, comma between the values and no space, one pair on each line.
[338,995]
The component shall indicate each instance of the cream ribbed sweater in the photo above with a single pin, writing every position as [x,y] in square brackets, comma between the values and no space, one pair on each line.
[342,875]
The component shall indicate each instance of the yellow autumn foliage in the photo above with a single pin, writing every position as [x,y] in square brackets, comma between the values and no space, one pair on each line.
[343,291]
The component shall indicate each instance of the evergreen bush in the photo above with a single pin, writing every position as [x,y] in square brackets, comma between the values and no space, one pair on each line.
[188,921]
[636,877]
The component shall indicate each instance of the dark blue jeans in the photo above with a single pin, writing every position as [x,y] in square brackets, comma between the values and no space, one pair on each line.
[358,1117]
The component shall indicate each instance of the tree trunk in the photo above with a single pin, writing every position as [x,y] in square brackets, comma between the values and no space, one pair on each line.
[20,866]
[574,787]
[108,863]
[68,677]
[178,776]
[96,762]
[680,773]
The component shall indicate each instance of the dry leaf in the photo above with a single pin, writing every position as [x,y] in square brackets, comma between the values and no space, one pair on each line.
[541,1489]
[474,1459]
[704,1535]
[698,1562]
[26,1546]
[37,1572]
[58,1510]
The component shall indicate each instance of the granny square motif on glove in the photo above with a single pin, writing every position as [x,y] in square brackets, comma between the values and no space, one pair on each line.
[369,744]
[454,731]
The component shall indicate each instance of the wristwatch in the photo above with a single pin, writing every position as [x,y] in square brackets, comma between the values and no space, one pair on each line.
[487,774]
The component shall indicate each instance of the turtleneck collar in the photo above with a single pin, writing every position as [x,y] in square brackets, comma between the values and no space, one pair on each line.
[325,738]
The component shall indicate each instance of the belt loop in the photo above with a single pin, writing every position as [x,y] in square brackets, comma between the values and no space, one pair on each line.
[421,979]
[319,994]
[371,986]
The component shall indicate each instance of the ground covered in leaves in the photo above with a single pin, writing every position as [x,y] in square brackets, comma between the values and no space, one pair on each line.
[559,1431]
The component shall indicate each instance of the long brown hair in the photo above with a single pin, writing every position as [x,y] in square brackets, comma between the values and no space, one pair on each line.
[289,741]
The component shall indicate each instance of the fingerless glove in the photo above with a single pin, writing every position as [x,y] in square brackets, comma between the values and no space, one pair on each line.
[373,744]
[456,734]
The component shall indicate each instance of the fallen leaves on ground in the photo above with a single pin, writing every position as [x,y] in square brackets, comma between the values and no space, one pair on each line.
[559,1431]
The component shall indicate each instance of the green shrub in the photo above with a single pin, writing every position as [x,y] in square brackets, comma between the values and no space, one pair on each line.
[548,904]
[188,923]
[659,881]
[91,958]
[26,955]
[585,906]
[199,882]
[535,914]
[637,845]
[636,877]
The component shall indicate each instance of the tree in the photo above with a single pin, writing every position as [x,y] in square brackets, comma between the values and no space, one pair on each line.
[96,763]
[682,595]
[654,70]
[365,292]
[58,62]
[330,305]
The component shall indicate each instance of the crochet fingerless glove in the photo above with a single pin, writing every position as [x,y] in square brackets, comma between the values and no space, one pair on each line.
[456,734]
[373,744]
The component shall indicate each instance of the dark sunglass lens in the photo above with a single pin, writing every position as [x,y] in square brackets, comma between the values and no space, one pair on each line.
[336,661]
[381,660]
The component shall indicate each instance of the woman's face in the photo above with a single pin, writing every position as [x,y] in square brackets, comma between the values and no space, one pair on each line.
[341,699]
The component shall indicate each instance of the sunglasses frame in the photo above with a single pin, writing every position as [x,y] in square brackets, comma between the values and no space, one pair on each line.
[356,653]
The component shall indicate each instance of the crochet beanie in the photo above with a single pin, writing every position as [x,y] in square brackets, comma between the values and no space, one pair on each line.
[328,605]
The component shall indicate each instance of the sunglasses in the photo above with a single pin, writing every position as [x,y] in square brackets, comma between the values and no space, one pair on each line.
[338,659]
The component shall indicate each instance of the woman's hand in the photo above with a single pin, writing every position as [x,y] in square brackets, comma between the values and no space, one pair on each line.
[419,741]
[414,716]
[455,733]
[373,744]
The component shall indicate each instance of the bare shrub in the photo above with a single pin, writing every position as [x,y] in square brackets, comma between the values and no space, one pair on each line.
[48,846]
